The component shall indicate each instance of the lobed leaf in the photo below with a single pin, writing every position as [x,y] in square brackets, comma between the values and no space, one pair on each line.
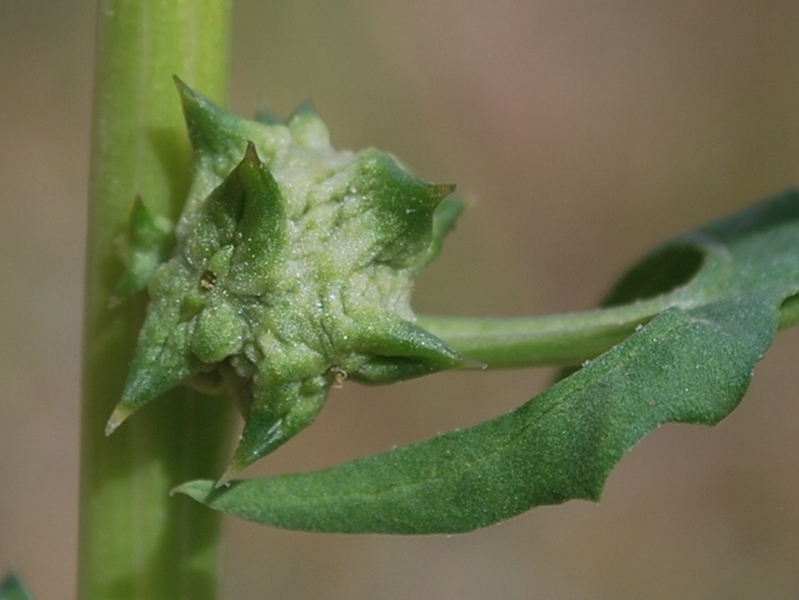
[692,363]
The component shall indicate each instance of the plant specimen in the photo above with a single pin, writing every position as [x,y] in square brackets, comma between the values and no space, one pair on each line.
[276,267]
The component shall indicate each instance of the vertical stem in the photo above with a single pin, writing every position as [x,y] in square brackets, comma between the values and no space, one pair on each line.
[135,541]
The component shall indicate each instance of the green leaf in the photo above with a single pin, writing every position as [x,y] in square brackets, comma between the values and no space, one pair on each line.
[147,244]
[691,364]
[400,350]
[11,588]
[262,229]
[278,413]
[444,219]
[405,204]
[561,445]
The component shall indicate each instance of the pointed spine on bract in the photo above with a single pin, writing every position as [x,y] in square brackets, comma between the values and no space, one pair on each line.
[401,350]
[307,127]
[213,131]
[246,213]
[278,413]
[162,360]
[404,206]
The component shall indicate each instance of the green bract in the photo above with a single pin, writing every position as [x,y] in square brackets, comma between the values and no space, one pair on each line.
[292,270]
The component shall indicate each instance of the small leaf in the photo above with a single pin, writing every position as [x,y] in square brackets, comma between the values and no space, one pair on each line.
[212,129]
[381,370]
[690,364]
[261,233]
[246,213]
[444,219]
[278,413]
[163,359]
[147,244]
[406,206]
[11,588]
[214,225]
[307,128]
[218,138]
[400,350]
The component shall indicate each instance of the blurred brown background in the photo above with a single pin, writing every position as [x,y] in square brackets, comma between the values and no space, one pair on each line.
[587,132]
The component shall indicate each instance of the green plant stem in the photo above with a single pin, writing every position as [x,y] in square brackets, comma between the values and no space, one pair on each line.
[565,339]
[135,541]
[572,338]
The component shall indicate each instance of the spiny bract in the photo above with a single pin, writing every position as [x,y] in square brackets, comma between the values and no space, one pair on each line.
[292,269]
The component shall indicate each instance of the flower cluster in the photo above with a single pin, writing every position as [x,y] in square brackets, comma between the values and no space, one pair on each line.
[291,270]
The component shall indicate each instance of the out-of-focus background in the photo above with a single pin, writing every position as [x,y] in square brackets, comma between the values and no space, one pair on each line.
[587,132]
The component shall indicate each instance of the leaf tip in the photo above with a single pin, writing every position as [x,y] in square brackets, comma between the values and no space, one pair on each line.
[179,83]
[233,469]
[467,363]
[251,158]
[305,109]
[444,189]
[198,489]
[119,415]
